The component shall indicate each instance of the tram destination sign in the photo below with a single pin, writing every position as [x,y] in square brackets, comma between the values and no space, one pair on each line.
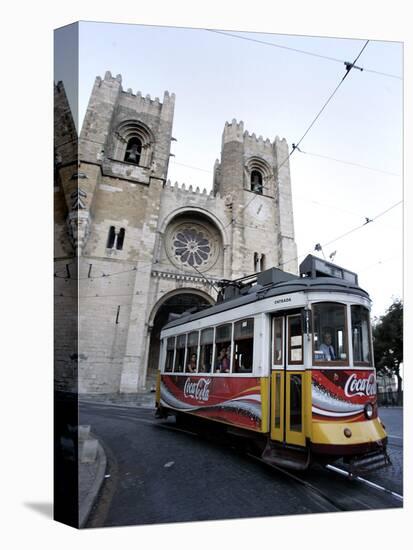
[282,301]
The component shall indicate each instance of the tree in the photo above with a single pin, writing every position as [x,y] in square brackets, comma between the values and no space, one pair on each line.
[388,343]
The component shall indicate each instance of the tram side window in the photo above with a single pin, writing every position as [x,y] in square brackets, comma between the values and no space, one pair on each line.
[278,341]
[330,332]
[192,352]
[243,345]
[360,327]
[170,351]
[223,348]
[295,340]
[206,350]
[180,353]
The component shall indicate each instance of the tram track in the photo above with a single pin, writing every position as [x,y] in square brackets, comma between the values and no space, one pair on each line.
[333,504]
[331,501]
[348,501]
[365,482]
[309,486]
[395,441]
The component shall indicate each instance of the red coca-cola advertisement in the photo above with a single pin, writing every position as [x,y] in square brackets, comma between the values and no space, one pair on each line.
[342,395]
[236,401]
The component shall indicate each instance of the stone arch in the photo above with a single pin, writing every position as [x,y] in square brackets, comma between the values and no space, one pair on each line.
[186,290]
[200,211]
[175,301]
[257,165]
[129,130]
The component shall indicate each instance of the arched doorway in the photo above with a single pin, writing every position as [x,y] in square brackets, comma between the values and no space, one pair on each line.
[178,302]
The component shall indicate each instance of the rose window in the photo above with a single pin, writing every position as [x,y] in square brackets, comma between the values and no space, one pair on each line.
[191,247]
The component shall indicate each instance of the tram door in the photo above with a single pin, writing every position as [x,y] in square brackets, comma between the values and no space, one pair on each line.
[287,379]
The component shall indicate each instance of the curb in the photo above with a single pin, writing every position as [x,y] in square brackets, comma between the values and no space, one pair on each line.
[86,506]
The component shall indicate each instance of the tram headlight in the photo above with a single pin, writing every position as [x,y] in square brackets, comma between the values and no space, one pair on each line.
[368,410]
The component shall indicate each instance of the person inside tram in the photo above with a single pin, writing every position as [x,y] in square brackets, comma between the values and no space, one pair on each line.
[192,363]
[223,360]
[327,347]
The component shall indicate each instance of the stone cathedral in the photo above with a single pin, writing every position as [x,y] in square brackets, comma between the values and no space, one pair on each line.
[134,247]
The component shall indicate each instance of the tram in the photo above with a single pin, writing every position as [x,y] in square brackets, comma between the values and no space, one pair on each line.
[283,361]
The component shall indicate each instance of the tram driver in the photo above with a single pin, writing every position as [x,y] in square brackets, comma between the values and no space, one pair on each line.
[327,347]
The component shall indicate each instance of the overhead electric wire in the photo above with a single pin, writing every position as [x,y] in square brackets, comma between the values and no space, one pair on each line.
[295,146]
[206,273]
[310,154]
[193,167]
[331,97]
[349,66]
[349,163]
[344,234]
[103,275]
[297,50]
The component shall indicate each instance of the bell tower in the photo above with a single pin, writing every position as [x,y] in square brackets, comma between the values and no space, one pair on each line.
[124,150]
[254,176]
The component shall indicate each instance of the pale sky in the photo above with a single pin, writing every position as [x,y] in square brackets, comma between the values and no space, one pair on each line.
[277,91]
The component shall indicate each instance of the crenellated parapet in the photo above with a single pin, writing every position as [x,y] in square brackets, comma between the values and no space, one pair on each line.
[146,104]
[184,190]
[233,131]
[114,117]
[257,143]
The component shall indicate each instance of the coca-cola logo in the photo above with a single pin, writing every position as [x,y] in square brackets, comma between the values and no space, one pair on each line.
[360,386]
[198,390]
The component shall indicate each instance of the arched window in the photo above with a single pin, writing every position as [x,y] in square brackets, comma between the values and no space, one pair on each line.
[111,237]
[115,238]
[256,182]
[133,150]
[120,239]
[259,262]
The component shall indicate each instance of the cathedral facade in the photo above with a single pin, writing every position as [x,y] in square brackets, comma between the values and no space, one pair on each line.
[132,247]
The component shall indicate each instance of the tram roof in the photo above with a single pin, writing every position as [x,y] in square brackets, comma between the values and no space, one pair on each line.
[258,292]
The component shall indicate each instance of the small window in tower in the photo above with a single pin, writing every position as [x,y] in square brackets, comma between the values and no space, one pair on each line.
[256,182]
[120,239]
[111,237]
[256,262]
[133,150]
[259,262]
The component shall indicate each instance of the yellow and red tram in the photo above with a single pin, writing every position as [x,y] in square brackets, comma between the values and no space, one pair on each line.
[286,360]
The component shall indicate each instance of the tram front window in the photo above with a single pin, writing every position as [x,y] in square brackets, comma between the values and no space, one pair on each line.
[330,339]
[243,345]
[360,328]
